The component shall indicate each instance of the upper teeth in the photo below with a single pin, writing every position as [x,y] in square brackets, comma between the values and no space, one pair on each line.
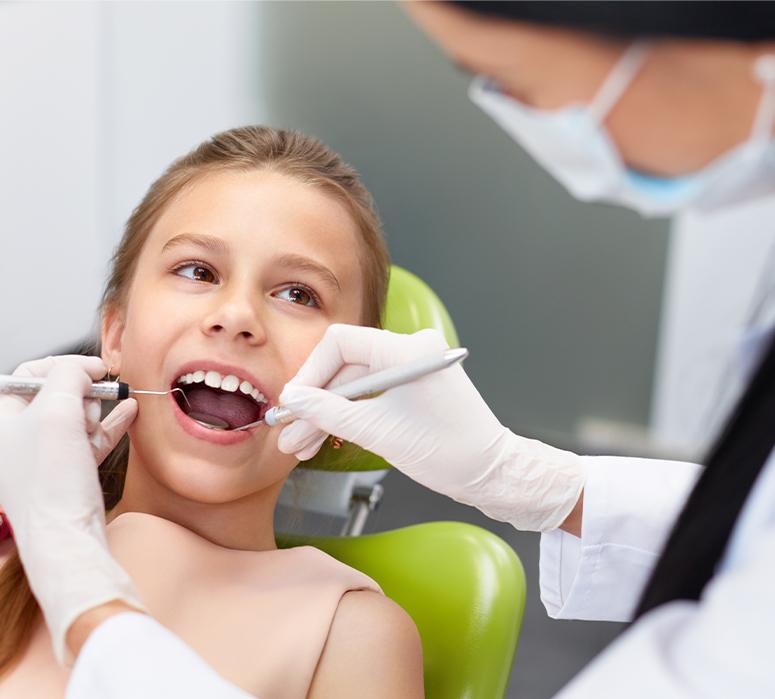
[230,383]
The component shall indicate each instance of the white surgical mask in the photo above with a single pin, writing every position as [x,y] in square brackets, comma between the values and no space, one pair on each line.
[573,145]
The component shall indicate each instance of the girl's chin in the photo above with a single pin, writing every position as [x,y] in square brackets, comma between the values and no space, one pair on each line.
[207,482]
[204,488]
[202,472]
[220,448]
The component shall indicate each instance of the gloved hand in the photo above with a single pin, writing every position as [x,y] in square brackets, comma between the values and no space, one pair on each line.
[51,493]
[437,430]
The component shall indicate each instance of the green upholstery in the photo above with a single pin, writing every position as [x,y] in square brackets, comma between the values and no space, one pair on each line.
[463,586]
[412,305]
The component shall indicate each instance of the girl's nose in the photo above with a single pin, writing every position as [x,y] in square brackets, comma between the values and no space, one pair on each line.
[236,318]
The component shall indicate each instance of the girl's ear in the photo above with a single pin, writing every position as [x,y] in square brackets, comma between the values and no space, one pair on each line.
[113,324]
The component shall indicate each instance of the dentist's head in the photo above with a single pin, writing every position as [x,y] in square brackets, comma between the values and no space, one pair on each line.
[655,106]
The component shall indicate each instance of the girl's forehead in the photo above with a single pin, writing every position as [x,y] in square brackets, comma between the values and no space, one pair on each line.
[256,191]
[260,211]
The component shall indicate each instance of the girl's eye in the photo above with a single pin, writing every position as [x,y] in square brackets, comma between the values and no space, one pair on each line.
[196,272]
[300,295]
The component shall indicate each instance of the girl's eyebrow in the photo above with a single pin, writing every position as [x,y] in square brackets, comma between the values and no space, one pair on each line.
[294,261]
[208,242]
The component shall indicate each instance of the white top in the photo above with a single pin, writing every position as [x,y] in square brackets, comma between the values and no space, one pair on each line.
[132,655]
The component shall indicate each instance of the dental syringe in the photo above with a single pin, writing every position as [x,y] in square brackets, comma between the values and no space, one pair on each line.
[102,390]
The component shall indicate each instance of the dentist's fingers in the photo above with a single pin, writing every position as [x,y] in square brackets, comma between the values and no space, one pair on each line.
[298,436]
[308,452]
[93,412]
[60,401]
[347,373]
[39,368]
[109,432]
[302,438]
[340,345]
[330,413]
[371,347]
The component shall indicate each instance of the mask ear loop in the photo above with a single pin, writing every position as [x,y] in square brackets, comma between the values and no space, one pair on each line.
[618,80]
[764,72]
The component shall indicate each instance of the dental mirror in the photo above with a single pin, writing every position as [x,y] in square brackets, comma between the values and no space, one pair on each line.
[210,421]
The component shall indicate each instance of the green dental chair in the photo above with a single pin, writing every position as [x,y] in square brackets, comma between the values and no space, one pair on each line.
[463,586]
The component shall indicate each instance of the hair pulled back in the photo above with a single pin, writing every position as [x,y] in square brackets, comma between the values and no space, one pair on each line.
[244,149]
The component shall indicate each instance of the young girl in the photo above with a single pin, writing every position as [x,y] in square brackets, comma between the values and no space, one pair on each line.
[229,272]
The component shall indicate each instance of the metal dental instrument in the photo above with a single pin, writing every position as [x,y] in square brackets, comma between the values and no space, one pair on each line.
[102,390]
[373,383]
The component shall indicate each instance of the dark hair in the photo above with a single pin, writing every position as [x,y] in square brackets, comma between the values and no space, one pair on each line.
[738,21]
[701,533]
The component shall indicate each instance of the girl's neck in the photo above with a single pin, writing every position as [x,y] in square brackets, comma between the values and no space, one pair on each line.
[244,524]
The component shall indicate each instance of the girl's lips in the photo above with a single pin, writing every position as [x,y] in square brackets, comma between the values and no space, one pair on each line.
[193,428]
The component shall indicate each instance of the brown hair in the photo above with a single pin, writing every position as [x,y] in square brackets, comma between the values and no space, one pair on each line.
[242,149]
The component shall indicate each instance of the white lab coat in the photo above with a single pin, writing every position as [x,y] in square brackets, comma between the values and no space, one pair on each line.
[720,646]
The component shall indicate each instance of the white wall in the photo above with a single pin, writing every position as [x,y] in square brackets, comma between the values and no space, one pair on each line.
[50,249]
[97,98]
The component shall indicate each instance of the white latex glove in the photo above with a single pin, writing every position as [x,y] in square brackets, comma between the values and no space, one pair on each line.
[51,493]
[437,430]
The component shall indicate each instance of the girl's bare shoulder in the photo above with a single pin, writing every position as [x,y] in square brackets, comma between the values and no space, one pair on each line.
[373,642]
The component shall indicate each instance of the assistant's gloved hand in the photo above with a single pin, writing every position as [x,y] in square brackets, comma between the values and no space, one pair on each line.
[50,490]
[437,430]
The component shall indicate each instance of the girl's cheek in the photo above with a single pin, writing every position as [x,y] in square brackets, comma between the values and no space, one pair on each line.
[302,351]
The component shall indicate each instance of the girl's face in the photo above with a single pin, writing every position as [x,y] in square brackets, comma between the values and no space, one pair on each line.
[241,275]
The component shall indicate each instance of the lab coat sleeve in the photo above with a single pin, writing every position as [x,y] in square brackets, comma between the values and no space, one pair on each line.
[131,655]
[717,648]
[630,506]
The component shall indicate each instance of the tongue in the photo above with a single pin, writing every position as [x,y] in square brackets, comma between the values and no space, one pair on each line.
[232,408]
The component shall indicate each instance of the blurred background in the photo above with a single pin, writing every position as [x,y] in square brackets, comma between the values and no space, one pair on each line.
[589,327]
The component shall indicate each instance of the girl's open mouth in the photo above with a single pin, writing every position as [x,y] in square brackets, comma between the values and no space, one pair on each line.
[219,402]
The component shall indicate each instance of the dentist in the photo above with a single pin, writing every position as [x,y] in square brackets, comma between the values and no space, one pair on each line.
[659,107]
[686,551]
